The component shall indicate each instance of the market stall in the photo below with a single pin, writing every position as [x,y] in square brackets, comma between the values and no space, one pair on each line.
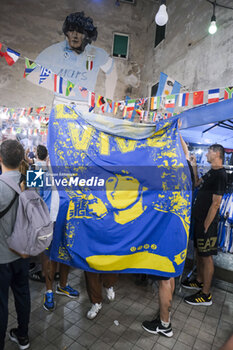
[201,127]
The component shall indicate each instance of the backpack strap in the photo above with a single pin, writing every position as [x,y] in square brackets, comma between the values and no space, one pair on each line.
[2,213]
[15,187]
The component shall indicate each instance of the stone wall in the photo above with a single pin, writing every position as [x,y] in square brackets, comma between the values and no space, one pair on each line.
[29,26]
[189,53]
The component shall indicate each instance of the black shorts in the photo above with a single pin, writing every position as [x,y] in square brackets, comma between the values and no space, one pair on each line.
[206,243]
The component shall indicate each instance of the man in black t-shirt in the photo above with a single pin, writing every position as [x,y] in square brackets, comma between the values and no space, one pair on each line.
[205,214]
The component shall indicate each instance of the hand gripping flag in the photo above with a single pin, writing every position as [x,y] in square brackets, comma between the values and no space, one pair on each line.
[10,55]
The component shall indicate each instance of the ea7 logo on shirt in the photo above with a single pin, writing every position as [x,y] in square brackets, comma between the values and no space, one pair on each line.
[35,178]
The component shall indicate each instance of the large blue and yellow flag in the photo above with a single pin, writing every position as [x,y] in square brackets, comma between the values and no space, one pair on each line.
[125,194]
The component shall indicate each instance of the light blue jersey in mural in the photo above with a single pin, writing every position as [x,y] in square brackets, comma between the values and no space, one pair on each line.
[80,69]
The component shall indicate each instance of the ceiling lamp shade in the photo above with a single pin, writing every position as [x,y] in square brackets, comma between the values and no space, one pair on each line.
[161,17]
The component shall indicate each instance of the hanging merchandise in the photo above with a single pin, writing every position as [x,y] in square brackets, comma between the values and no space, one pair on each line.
[225,229]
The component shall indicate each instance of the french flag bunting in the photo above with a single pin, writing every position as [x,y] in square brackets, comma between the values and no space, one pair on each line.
[183,99]
[58,83]
[213,95]
[11,56]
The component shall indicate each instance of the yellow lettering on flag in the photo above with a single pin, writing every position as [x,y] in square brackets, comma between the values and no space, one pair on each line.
[180,257]
[104,144]
[126,145]
[62,112]
[141,260]
[81,138]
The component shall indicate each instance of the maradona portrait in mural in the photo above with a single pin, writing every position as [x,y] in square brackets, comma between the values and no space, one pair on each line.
[78,61]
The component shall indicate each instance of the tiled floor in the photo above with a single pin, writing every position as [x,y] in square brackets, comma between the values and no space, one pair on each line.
[67,328]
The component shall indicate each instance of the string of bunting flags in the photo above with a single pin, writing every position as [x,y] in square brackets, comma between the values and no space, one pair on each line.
[148,108]
[27,121]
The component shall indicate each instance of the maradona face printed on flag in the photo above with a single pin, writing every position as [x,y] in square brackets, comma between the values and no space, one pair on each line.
[135,218]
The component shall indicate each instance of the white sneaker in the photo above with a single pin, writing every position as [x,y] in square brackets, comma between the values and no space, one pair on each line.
[94,310]
[110,293]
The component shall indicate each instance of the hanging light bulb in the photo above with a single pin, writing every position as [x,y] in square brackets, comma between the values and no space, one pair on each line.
[161,17]
[213,28]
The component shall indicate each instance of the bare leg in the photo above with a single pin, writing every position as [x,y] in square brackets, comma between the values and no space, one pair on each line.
[199,268]
[172,283]
[109,279]
[94,286]
[64,271]
[208,272]
[50,269]
[228,345]
[166,288]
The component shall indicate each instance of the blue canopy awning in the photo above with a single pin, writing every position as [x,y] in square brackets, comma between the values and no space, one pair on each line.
[196,121]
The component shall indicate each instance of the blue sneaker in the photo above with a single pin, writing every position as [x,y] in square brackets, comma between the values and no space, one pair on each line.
[49,303]
[67,291]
